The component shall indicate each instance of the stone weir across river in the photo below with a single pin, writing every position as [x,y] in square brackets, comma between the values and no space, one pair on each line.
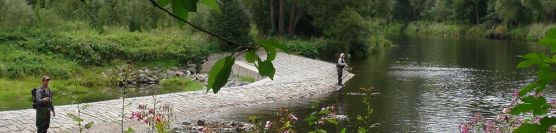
[296,77]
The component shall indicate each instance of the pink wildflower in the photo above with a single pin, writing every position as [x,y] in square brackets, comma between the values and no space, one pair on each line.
[293,118]
[268,124]
[464,128]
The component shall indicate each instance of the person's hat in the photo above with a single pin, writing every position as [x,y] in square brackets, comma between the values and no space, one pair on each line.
[45,78]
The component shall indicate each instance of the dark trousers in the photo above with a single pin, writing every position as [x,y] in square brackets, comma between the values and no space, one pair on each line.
[340,73]
[43,119]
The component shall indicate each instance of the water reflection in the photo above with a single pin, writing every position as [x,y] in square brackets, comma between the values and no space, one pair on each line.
[431,85]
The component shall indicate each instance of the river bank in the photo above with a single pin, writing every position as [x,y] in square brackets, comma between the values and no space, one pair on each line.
[296,77]
[531,32]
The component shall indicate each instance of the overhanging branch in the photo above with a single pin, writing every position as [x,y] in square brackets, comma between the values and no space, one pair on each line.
[155,4]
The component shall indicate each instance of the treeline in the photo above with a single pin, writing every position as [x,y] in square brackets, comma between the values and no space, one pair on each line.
[510,12]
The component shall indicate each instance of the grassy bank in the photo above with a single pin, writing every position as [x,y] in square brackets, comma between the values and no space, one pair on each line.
[76,56]
[532,32]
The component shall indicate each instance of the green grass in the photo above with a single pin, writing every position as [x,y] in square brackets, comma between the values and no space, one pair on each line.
[65,92]
[248,79]
[180,84]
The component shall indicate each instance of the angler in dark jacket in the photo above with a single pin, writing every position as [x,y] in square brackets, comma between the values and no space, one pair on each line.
[340,66]
[44,106]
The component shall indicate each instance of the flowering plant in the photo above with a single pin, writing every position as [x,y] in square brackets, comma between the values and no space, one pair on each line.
[158,117]
[282,125]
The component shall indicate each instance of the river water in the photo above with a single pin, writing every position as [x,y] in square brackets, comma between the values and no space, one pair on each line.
[425,85]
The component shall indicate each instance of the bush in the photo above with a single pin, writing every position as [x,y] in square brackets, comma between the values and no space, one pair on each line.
[15,15]
[90,48]
[307,48]
[17,63]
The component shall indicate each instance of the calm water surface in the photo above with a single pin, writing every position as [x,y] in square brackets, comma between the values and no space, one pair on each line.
[425,85]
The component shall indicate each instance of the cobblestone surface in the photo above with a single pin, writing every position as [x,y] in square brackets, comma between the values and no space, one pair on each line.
[296,77]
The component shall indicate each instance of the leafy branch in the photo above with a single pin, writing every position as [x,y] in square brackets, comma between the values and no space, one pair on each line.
[530,101]
[220,72]
[179,9]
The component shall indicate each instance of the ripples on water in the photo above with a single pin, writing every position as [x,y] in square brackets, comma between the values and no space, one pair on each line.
[447,96]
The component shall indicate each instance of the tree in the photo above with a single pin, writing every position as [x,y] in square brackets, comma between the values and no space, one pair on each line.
[232,23]
[441,10]
[352,30]
[281,18]
[272,18]
[508,10]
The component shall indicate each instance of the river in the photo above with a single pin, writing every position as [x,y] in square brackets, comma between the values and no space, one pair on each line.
[424,85]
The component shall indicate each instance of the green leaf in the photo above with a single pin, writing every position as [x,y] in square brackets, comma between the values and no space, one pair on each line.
[361,130]
[163,3]
[130,130]
[75,117]
[360,118]
[266,69]
[251,56]
[528,128]
[549,39]
[546,123]
[538,104]
[527,89]
[311,119]
[343,130]
[89,125]
[213,5]
[521,108]
[178,8]
[270,50]
[190,5]
[275,44]
[525,64]
[220,73]
[332,121]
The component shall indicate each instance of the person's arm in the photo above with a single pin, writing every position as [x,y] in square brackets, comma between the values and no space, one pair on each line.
[39,96]
[51,105]
[341,62]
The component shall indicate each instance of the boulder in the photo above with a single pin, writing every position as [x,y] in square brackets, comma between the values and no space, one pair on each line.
[171,73]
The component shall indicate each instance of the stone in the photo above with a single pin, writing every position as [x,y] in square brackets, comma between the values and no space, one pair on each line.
[201,122]
[147,71]
[187,73]
[185,123]
[171,73]
[164,76]
[180,73]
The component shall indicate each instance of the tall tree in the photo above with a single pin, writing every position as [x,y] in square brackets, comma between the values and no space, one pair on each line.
[272,21]
[508,10]
[232,24]
[281,18]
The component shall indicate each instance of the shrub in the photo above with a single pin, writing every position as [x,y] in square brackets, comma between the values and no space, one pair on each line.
[90,48]
[307,48]
[18,63]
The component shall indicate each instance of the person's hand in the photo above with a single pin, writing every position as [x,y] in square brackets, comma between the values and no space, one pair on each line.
[46,99]
[53,114]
